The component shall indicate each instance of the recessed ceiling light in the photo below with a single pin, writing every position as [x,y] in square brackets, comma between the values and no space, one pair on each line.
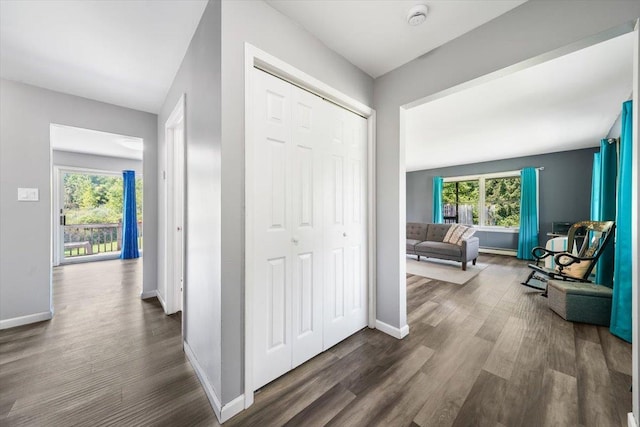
[417,14]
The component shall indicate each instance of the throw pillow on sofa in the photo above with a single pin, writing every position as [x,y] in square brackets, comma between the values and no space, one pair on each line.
[457,233]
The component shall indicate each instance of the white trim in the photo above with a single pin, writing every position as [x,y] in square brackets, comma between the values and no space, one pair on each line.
[56,247]
[25,320]
[232,408]
[401,249]
[91,171]
[149,294]
[256,57]
[506,174]
[176,119]
[163,303]
[398,333]
[223,412]
[206,385]
[631,421]
[371,197]
[496,229]
[496,251]
[635,223]
[277,67]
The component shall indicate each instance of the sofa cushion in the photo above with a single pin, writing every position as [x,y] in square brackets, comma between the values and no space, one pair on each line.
[416,231]
[457,233]
[436,232]
[439,248]
[411,243]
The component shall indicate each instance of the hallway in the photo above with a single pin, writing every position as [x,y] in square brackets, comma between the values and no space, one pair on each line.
[106,358]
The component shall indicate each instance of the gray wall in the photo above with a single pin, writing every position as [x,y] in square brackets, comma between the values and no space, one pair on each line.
[534,28]
[565,190]
[92,161]
[199,79]
[25,155]
[257,23]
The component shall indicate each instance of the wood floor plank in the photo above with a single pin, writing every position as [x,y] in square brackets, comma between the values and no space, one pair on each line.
[524,391]
[452,370]
[483,404]
[621,394]
[505,351]
[366,407]
[558,405]
[594,385]
[407,404]
[617,352]
[562,352]
[320,412]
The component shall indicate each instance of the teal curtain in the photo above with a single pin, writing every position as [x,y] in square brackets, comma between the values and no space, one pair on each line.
[129,219]
[437,200]
[622,281]
[528,237]
[606,211]
[595,188]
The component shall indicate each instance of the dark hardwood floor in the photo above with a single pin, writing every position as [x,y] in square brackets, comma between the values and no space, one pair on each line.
[487,353]
[106,358]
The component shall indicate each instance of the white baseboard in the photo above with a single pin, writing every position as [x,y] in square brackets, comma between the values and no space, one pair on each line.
[149,294]
[232,408]
[392,330]
[162,301]
[223,413]
[631,421]
[25,320]
[208,388]
[496,251]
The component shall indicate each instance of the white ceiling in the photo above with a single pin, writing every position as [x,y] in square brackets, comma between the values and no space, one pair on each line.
[121,52]
[87,141]
[564,104]
[375,36]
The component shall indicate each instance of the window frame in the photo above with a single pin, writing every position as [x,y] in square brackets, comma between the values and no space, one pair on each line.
[481,198]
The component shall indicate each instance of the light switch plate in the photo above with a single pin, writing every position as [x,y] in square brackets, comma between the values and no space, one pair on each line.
[28,195]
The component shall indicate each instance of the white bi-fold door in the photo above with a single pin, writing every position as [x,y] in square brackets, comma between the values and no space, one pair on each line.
[308,258]
[344,231]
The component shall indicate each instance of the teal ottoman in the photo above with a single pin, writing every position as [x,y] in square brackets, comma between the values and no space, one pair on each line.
[580,302]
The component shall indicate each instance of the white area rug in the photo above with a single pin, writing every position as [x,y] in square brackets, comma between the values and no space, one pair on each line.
[447,271]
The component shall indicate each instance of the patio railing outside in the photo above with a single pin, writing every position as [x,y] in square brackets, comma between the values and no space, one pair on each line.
[91,239]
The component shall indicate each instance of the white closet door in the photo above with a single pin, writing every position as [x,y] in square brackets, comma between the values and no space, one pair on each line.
[306,169]
[356,220]
[344,225]
[272,225]
[308,253]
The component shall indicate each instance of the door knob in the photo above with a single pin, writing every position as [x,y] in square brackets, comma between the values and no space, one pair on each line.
[179,228]
[344,234]
[294,240]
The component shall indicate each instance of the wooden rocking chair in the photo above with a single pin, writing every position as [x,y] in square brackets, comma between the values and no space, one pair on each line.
[586,242]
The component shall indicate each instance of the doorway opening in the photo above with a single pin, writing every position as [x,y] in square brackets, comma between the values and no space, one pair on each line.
[89,199]
[171,294]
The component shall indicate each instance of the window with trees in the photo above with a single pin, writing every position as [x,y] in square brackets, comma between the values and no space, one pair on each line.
[491,200]
[95,198]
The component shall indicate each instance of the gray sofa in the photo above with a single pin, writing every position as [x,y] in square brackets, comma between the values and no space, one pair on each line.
[427,240]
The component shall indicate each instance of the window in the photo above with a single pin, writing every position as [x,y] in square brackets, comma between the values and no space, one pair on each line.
[491,200]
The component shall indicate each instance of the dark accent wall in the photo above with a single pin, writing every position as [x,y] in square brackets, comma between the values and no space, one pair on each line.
[565,190]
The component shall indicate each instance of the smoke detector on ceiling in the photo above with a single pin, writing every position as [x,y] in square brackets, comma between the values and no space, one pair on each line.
[417,14]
